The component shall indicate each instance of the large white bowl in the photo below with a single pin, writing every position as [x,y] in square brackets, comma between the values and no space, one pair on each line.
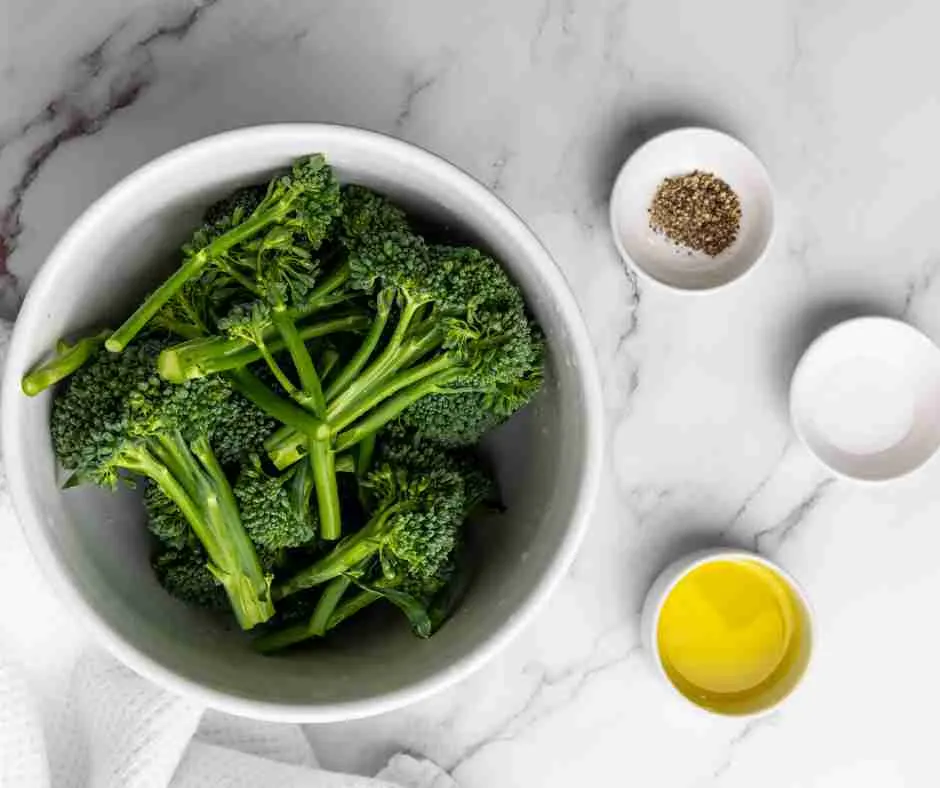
[92,544]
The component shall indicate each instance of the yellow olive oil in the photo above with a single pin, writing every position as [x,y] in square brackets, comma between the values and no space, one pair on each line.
[733,636]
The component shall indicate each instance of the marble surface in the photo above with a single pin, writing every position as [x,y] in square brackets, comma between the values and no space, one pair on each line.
[543,99]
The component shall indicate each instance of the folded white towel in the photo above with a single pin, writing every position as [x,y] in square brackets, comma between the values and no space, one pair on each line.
[72,717]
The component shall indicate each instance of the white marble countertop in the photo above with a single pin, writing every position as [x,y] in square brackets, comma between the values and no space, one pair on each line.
[543,99]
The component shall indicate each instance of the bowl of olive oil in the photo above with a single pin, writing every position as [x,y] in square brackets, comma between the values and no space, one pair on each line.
[729,631]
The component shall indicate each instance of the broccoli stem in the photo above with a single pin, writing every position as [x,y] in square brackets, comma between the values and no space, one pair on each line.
[364,456]
[386,363]
[192,266]
[352,606]
[183,330]
[241,573]
[204,496]
[317,436]
[277,407]
[366,349]
[329,599]
[385,389]
[327,361]
[207,355]
[303,363]
[321,453]
[285,446]
[323,462]
[322,294]
[357,548]
[279,639]
[300,397]
[337,613]
[392,408]
[67,360]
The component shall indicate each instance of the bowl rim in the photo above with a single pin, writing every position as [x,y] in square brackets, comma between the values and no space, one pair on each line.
[586,370]
[674,135]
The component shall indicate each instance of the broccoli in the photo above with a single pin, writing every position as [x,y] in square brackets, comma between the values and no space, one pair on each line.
[184,575]
[68,358]
[276,267]
[461,330]
[462,418]
[275,510]
[165,520]
[420,497]
[304,201]
[309,331]
[117,416]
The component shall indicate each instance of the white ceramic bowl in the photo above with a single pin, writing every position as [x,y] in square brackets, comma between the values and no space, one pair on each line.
[677,153]
[865,399]
[667,581]
[92,544]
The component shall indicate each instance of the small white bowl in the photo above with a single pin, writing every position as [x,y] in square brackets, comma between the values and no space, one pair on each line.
[865,399]
[677,153]
[661,589]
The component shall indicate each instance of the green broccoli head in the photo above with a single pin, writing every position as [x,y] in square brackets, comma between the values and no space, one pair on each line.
[234,209]
[275,510]
[117,401]
[437,489]
[483,318]
[184,575]
[165,521]
[309,196]
[304,200]
[198,306]
[462,418]
[383,252]
[240,428]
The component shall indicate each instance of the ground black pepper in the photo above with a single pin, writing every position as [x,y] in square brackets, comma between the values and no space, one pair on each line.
[698,211]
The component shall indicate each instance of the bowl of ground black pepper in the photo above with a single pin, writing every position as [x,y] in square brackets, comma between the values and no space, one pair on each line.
[692,209]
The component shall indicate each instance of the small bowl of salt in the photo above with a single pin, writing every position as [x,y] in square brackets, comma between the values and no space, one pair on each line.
[865,399]
[692,209]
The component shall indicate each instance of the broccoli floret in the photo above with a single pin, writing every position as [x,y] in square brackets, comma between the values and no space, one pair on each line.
[461,329]
[420,498]
[231,211]
[275,264]
[184,574]
[240,428]
[416,515]
[319,328]
[166,521]
[304,201]
[276,509]
[117,416]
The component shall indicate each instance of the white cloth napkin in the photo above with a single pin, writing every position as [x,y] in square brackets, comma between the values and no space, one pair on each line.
[72,717]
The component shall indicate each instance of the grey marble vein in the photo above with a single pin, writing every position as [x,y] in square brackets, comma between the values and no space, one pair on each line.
[736,742]
[538,706]
[780,532]
[74,113]
[758,488]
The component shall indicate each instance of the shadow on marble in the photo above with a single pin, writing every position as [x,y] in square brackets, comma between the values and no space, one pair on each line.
[691,538]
